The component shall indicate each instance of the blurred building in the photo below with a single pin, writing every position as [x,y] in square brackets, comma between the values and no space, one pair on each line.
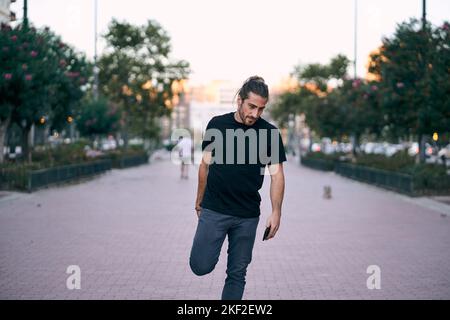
[180,115]
[207,101]
[180,106]
[286,84]
[6,15]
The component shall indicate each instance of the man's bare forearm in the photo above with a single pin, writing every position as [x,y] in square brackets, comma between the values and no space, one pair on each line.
[276,197]
[202,178]
[277,192]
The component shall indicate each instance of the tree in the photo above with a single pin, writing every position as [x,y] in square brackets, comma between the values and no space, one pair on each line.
[413,68]
[40,76]
[136,74]
[319,75]
[314,97]
[286,104]
[358,110]
[97,118]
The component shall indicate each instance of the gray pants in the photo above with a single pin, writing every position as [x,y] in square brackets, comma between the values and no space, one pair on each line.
[209,237]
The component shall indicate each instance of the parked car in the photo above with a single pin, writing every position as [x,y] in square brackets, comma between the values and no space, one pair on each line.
[315,147]
[109,144]
[444,152]
[392,149]
[413,149]
[368,147]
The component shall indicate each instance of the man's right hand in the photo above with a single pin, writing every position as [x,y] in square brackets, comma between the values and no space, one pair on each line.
[198,210]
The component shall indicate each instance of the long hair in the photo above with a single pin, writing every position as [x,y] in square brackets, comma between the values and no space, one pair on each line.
[256,85]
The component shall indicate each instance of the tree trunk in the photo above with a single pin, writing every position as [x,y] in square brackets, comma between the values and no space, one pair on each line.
[422,140]
[125,137]
[310,144]
[125,126]
[98,142]
[3,130]
[125,133]
[355,144]
[26,150]
[117,138]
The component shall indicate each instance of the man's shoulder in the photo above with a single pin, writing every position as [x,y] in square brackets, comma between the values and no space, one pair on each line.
[223,116]
[263,123]
[220,118]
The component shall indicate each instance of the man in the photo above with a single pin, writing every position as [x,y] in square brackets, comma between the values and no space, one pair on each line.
[184,148]
[230,175]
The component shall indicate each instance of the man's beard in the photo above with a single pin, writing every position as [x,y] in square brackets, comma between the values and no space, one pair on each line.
[243,118]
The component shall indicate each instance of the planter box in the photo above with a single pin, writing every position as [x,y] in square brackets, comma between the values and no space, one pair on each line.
[31,180]
[399,182]
[45,177]
[319,164]
[130,161]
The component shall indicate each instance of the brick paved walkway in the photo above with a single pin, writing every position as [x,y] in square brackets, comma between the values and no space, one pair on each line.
[130,232]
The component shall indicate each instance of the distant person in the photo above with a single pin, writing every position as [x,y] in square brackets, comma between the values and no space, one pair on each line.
[228,201]
[184,147]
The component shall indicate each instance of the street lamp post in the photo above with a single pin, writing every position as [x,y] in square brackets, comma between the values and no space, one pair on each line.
[423,137]
[424,14]
[355,74]
[95,52]
[25,14]
[355,39]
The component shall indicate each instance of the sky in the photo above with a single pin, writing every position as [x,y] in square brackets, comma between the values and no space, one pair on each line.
[234,39]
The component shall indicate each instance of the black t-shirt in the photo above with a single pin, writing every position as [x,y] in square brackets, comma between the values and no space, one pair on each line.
[240,154]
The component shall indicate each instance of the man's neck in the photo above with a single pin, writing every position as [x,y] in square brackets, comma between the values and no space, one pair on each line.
[237,117]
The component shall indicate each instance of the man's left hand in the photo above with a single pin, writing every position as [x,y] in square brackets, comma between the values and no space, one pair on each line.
[274,223]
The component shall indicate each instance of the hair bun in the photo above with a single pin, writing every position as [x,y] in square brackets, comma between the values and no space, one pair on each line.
[256,85]
[256,78]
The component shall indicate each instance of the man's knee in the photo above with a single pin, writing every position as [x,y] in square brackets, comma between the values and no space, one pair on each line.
[201,269]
